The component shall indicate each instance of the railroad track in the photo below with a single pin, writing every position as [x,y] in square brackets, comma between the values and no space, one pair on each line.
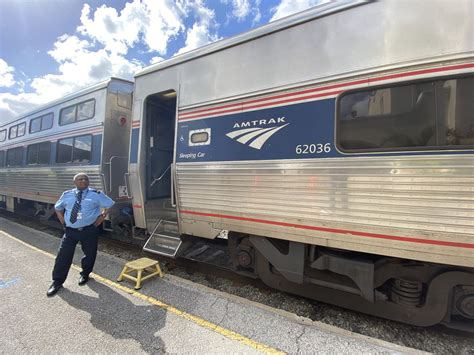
[214,272]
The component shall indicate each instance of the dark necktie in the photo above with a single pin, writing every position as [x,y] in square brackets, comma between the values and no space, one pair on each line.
[76,207]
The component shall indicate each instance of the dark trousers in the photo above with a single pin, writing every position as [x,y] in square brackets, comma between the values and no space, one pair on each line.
[88,237]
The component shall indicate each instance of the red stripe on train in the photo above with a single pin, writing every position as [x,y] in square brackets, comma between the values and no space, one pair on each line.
[267,104]
[200,113]
[338,231]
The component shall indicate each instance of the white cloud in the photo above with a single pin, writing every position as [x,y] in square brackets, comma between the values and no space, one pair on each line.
[11,105]
[201,33]
[78,68]
[241,9]
[154,21]
[289,7]
[67,47]
[156,60]
[163,22]
[6,74]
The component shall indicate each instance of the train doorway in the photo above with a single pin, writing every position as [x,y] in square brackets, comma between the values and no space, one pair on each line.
[160,212]
[160,122]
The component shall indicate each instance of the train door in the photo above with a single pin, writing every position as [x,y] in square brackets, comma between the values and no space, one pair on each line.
[161,214]
[160,122]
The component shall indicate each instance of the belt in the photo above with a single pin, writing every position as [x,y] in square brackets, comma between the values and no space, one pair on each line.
[81,228]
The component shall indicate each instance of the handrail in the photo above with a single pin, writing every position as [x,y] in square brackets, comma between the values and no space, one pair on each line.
[109,163]
[161,176]
[173,204]
[127,184]
[103,182]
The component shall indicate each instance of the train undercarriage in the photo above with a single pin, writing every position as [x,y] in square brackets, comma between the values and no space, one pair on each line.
[417,293]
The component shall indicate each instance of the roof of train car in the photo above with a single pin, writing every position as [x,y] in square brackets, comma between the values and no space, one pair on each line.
[289,21]
[70,96]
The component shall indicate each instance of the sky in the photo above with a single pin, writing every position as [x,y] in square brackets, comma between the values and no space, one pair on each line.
[49,48]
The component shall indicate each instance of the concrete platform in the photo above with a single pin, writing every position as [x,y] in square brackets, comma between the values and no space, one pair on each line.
[168,315]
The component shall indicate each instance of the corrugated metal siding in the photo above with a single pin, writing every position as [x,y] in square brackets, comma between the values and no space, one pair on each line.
[428,194]
[44,184]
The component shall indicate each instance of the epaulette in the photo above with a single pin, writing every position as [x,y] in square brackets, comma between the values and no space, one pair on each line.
[94,190]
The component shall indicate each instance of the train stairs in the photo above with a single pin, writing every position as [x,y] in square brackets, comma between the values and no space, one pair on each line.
[165,238]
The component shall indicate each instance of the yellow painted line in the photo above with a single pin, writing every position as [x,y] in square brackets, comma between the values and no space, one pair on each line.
[199,321]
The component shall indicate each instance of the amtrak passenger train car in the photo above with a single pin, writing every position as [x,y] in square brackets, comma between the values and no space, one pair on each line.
[88,131]
[334,149]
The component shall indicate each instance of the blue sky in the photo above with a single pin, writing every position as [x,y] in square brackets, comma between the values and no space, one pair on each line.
[49,48]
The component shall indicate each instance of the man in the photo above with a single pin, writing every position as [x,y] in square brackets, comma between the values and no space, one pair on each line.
[79,210]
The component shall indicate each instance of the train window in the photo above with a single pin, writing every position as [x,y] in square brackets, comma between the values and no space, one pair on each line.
[13,132]
[74,150]
[2,158]
[79,112]
[64,154]
[82,149]
[17,130]
[47,121]
[455,115]
[67,115]
[35,125]
[39,153]
[15,156]
[44,153]
[200,137]
[41,123]
[21,129]
[85,110]
[32,154]
[405,117]
[3,135]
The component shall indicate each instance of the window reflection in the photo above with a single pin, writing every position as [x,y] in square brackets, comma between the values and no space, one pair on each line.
[82,149]
[427,114]
[68,115]
[64,150]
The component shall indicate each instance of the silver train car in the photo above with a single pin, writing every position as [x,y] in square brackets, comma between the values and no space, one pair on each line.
[87,131]
[333,149]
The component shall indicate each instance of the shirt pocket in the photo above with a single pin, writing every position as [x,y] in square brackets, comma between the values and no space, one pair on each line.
[88,205]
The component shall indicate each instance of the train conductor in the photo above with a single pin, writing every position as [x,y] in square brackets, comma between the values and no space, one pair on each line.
[79,210]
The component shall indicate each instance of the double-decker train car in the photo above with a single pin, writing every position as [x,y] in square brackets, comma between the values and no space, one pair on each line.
[334,149]
[87,131]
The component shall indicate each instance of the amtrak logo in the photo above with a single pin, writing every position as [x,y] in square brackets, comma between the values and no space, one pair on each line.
[257,136]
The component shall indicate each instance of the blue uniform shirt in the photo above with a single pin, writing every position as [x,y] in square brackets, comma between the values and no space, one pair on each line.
[92,202]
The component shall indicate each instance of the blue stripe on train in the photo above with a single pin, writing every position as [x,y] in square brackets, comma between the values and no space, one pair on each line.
[134,145]
[300,131]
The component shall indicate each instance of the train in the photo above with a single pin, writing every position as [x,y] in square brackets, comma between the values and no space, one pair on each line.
[85,131]
[332,151]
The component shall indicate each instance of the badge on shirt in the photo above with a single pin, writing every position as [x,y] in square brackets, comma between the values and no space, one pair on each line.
[79,215]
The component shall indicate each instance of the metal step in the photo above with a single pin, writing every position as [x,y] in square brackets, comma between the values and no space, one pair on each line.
[165,238]
[169,226]
[165,243]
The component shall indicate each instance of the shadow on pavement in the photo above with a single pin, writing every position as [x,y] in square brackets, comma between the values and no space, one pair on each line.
[114,314]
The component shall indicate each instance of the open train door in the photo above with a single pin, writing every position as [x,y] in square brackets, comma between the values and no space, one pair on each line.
[160,123]
[161,216]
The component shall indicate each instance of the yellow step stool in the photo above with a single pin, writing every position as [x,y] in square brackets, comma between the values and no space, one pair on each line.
[140,265]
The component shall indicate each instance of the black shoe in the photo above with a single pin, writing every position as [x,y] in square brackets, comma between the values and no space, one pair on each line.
[83,280]
[53,289]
